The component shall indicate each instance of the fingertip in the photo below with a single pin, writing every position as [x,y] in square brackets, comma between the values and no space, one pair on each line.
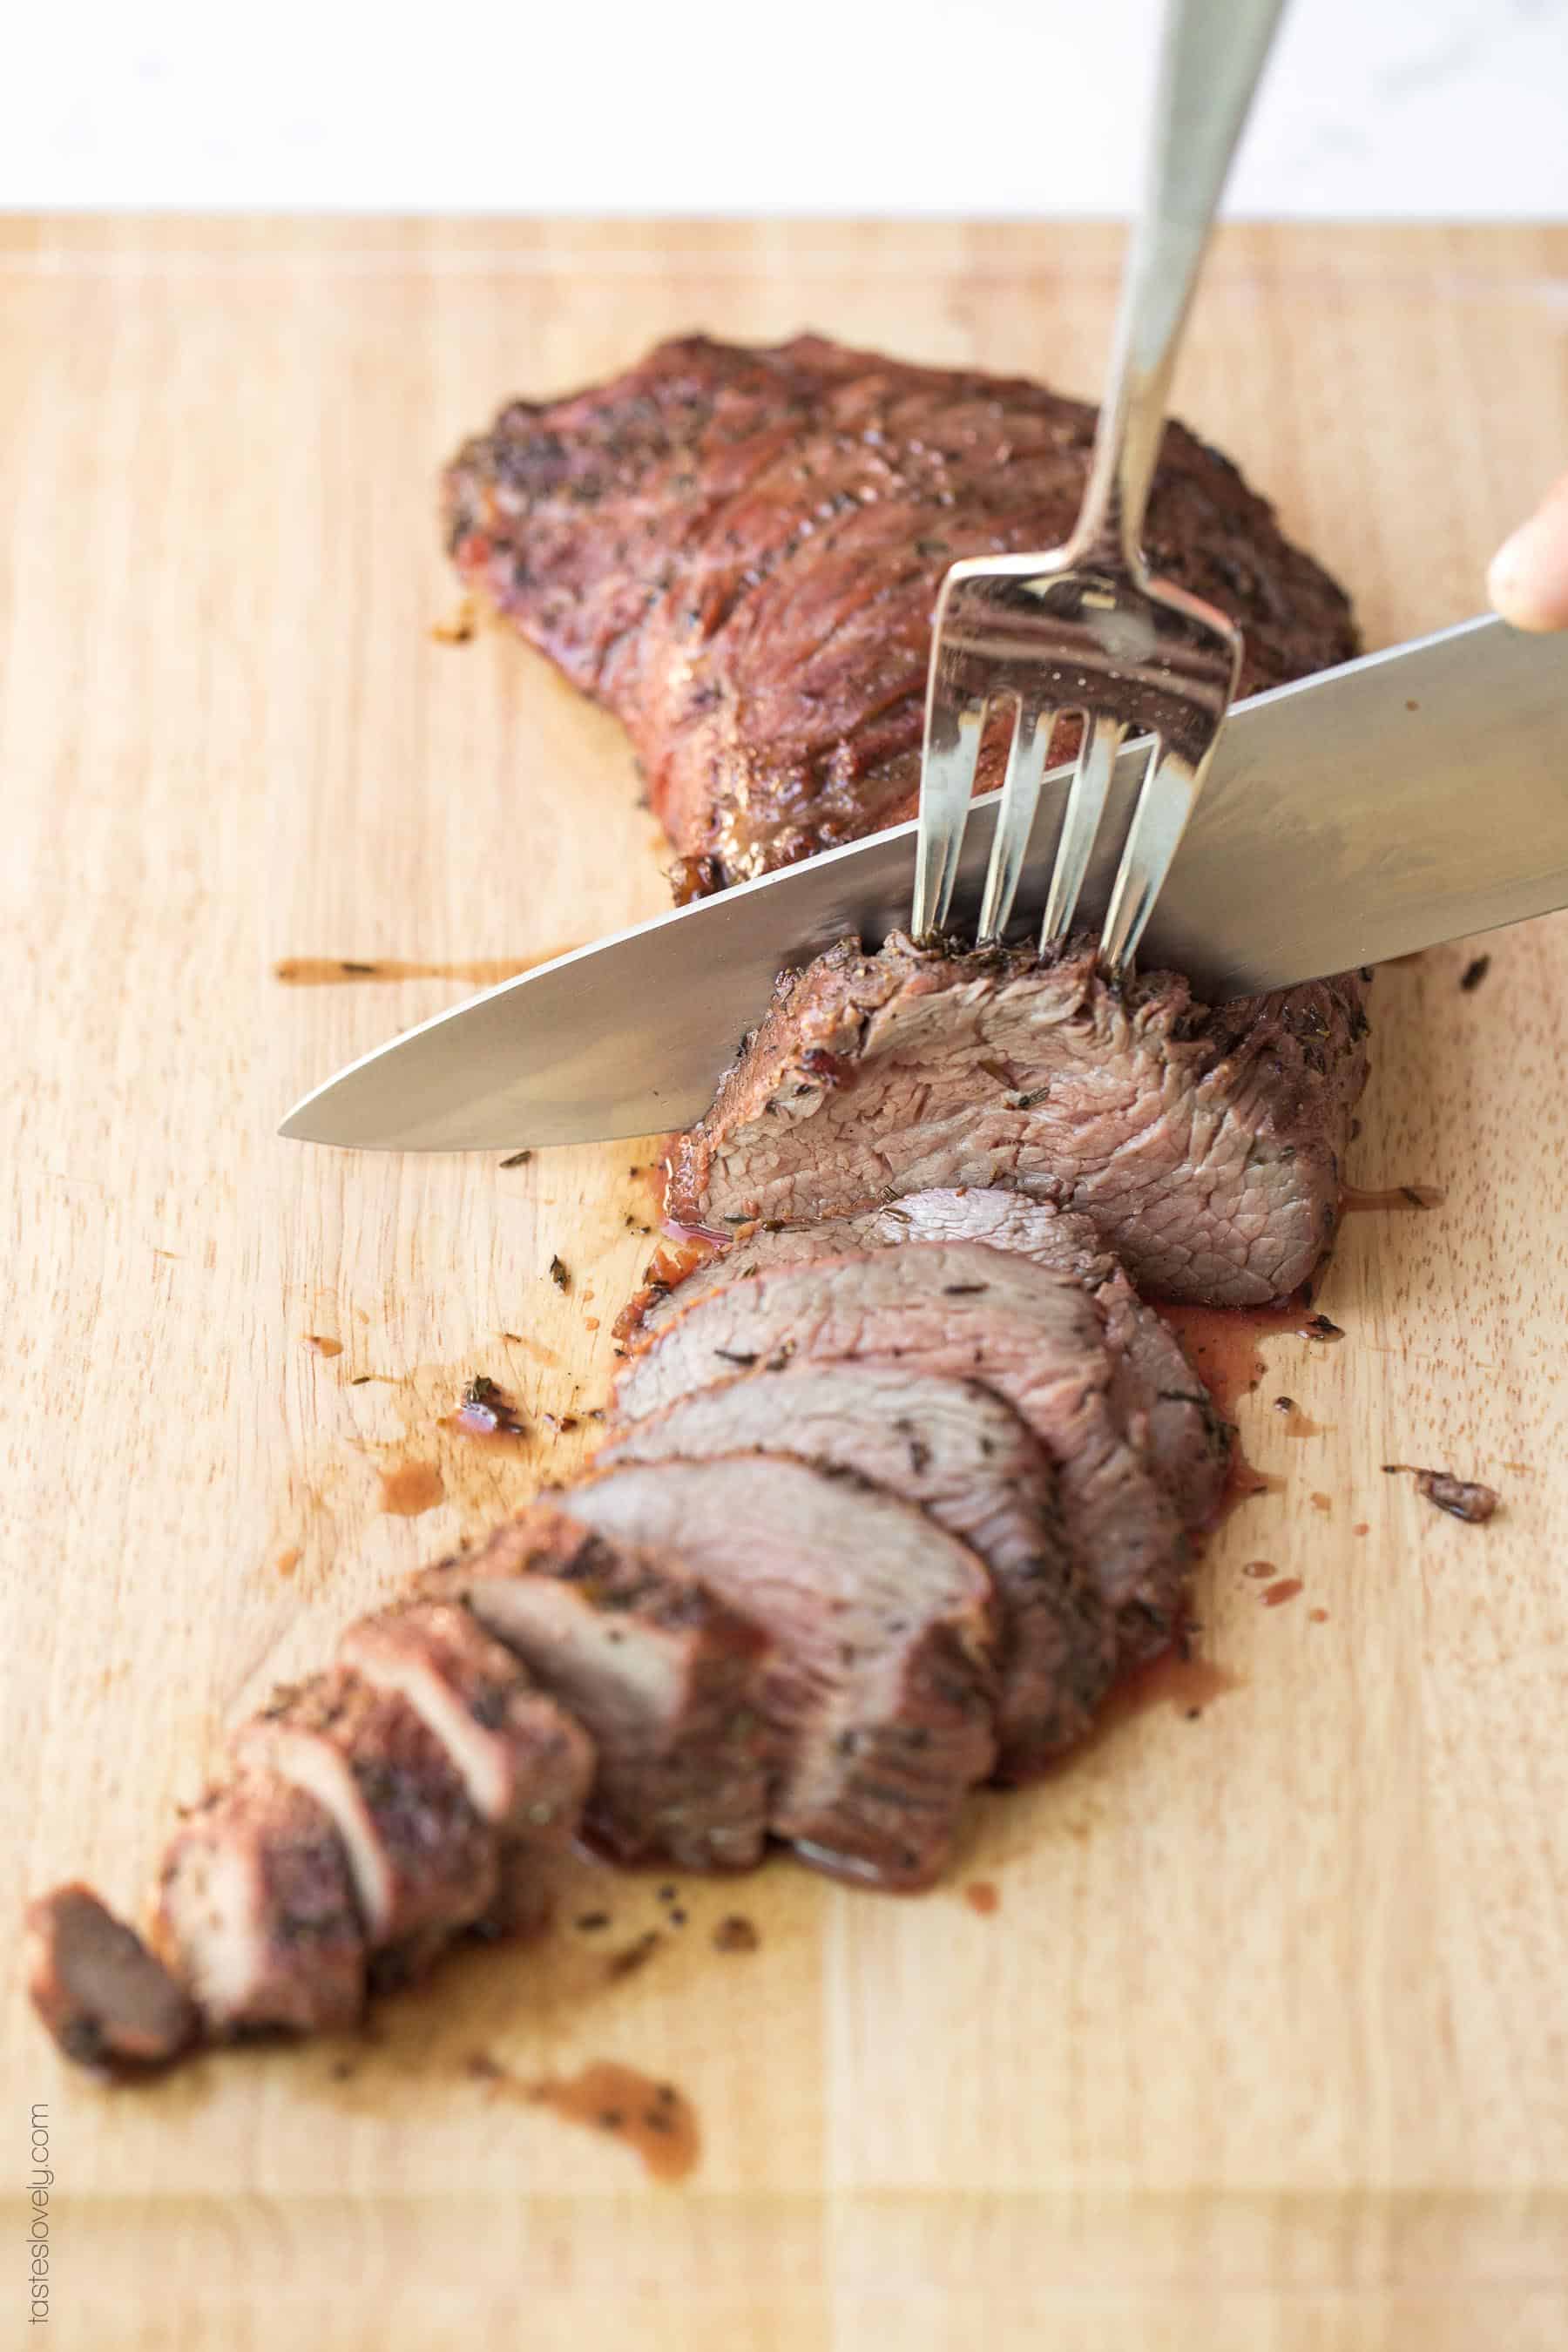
[1528,577]
[1516,592]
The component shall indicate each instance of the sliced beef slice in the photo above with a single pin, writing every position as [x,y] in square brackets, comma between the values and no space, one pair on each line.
[1187,1439]
[960,1310]
[738,552]
[256,1913]
[526,1764]
[962,1454]
[880,1678]
[424,1863]
[662,1673]
[105,1997]
[1204,1145]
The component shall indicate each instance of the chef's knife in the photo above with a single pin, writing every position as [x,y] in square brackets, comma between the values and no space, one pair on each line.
[1376,809]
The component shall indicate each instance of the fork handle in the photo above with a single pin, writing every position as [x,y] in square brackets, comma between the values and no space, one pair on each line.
[1211,56]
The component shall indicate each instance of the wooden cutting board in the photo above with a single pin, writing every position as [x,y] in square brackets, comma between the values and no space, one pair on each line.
[1250,2028]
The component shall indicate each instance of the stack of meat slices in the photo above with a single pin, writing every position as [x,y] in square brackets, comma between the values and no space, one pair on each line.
[875,1525]
[410,1794]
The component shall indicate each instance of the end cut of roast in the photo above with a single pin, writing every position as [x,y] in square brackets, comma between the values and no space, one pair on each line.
[106,1999]
[1204,1145]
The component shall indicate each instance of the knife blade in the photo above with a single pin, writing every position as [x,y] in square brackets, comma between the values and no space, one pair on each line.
[1373,810]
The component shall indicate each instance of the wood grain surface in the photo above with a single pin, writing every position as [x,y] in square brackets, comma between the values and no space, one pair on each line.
[1264,2044]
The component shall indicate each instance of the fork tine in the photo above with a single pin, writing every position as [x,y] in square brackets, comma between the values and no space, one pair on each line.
[1171,786]
[1102,740]
[1015,817]
[953,730]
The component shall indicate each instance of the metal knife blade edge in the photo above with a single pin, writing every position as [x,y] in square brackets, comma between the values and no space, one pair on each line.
[864,885]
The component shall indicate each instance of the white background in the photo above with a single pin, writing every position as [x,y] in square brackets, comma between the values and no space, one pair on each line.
[1400,107]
